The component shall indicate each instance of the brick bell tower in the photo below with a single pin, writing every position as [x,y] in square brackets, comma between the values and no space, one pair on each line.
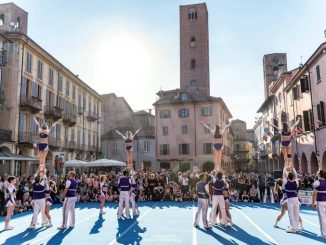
[194,48]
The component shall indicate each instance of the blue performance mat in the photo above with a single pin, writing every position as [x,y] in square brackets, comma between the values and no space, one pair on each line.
[164,223]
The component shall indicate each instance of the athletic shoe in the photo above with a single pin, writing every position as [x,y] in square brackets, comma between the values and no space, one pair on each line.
[32,226]
[71,226]
[275,226]
[291,230]
[48,225]
[102,212]
[62,228]
[196,225]
[7,228]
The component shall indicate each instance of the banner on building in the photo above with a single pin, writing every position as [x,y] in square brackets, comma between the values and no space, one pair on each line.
[59,161]
[305,197]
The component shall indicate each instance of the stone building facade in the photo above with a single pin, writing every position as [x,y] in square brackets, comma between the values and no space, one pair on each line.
[35,84]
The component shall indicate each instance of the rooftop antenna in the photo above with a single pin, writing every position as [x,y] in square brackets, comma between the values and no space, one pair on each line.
[300,65]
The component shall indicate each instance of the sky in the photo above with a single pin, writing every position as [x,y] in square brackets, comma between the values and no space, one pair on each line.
[131,47]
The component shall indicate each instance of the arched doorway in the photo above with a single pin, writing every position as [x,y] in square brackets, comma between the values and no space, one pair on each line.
[5,149]
[304,165]
[208,167]
[313,163]
[281,162]
[323,166]
[296,162]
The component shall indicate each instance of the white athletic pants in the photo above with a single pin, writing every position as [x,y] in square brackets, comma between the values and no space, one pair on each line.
[123,199]
[293,210]
[133,204]
[218,200]
[202,207]
[68,208]
[39,207]
[321,208]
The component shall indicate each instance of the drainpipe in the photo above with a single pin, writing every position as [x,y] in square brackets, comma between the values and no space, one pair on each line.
[21,79]
[313,116]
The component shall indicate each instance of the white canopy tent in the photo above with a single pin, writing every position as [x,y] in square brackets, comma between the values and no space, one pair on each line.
[75,163]
[104,162]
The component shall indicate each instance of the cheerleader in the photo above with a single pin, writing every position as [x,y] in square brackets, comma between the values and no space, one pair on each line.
[39,199]
[202,191]
[320,196]
[124,184]
[227,206]
[104,192]
[283,203]
[10,200]
[48,204]
[134,206]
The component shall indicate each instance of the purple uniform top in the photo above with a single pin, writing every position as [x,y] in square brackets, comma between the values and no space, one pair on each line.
[71,184]
[290,188]
[38,191]
[218,187]
[320,187]
[104,188]
[124,183]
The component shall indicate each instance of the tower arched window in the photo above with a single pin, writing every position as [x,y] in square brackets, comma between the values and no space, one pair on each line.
[192,14]
[193,42]
[193,65]
[18,22]
[2,19]
[194,84]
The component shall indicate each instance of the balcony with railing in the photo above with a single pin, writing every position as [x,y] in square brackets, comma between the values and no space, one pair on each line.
[3,58]
[52,112]
[91,116]
[54,141]
[72,145]
[32,103]
[92,148]
[5,135]
[80,110]
[27,137]
[69,119]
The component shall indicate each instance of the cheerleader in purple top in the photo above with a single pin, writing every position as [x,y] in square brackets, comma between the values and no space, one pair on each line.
[128,138]
[43,146]
[217,144]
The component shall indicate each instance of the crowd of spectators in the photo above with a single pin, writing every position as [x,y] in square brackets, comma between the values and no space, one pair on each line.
[155,186]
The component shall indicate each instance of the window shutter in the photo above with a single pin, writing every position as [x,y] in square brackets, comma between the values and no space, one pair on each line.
[306,120]
[283,116]
[322,113]
[304,84]
[295,93]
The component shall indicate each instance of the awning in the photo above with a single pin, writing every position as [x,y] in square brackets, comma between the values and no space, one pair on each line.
[74,163]
[105,163]
[10,156]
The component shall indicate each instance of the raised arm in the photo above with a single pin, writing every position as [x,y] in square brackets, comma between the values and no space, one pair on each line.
[136,132]
[295,124]
[124,137]
[36,122]
[278,129]
[206,126]
[225,128]
[53,125]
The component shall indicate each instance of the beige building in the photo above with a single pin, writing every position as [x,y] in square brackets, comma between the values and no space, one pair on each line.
[299,93]
[182,143]
[242,147]
[35,84]
[116,112]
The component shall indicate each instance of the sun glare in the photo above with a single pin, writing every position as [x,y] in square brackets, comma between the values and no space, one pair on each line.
[123,59]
